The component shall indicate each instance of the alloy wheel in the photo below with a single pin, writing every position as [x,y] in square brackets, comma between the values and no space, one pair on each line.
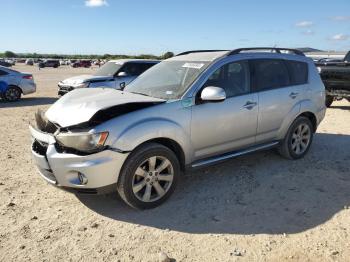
[153,179]
[301,138]
[12,94]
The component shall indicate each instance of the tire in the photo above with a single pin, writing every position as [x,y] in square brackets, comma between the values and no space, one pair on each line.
[12,94]
[329,101]
[292,141]
[139,182]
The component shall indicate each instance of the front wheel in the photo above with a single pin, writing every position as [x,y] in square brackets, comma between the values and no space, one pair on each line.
[298,139]
[149,176]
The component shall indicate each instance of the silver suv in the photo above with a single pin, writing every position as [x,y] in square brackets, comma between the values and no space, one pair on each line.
[195,109]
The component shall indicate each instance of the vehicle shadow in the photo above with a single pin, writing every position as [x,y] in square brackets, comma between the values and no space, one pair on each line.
[341,107]
[28,101]
[260,193]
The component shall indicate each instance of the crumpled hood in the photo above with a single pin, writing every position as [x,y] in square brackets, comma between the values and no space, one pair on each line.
[80,105]
[76,80]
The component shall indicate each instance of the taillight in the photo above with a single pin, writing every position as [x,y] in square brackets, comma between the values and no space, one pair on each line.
[27,77]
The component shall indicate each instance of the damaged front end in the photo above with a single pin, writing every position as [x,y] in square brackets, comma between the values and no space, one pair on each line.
[71,146]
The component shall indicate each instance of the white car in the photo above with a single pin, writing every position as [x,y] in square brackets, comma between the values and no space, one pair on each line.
[18,84]
[114,74]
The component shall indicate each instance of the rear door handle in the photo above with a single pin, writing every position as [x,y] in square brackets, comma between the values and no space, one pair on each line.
[293,95]
[249,105]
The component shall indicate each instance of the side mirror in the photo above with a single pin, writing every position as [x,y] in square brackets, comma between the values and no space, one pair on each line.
[121,74]
[122,85]
[213,94]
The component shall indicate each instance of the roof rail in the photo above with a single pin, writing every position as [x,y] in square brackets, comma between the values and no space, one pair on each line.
[272,49]
[199,51]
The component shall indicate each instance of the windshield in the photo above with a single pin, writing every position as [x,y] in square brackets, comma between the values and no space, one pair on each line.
[108,69]
[168,79]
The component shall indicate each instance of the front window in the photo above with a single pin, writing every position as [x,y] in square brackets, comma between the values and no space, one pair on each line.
[232,77]
[108,69]
[168,79]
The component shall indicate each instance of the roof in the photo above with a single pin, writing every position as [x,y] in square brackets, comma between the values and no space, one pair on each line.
[211,55]
[199,56]
[125,60]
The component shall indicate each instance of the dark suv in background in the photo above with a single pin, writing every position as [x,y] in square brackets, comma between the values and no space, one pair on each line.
[336,77]
[82,63]
[49,63]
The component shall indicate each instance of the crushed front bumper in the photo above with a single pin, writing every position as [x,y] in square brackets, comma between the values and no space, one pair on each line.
[99,170]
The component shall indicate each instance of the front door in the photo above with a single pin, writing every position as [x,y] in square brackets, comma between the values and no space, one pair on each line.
[229,125]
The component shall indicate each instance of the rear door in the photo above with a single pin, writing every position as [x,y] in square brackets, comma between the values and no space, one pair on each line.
[9,78]
[3,76]
[279,90]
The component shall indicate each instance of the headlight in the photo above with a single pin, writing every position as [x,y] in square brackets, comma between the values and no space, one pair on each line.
[84,142]
[319,69]
[81,85]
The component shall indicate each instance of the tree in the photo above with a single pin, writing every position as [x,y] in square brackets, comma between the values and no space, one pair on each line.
[167,55]
[10,54]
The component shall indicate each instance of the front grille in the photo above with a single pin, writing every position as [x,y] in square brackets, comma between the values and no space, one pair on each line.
[40,147]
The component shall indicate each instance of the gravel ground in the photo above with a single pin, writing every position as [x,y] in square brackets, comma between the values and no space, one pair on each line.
[259,207]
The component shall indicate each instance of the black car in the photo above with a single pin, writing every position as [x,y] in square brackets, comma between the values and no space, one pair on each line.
[336,78]
[49,63]
[4,63]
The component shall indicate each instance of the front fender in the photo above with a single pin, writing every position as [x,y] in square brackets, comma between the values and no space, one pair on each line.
[154,128]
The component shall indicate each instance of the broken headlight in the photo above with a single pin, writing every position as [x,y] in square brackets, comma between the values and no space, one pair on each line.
[84,142]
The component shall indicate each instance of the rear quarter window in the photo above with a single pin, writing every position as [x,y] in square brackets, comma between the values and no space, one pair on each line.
[298,72]
[269,74]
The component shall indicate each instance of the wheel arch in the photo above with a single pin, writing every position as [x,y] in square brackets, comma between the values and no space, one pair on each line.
[312,117]
[172,145]
[16,86]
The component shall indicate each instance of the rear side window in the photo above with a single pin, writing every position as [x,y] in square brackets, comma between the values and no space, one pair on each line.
[232,77]
[146,66]
[135,69]
[298,72]
[269,74]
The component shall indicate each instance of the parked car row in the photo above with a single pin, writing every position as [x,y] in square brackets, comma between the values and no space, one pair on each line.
[193,110]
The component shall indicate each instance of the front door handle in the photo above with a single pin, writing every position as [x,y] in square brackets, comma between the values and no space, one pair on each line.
[249,105]
[293,95]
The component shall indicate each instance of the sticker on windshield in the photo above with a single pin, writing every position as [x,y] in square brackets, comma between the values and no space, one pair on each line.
[193,65]
[169,92]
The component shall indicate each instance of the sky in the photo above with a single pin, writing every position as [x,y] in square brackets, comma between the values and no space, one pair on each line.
[155,26]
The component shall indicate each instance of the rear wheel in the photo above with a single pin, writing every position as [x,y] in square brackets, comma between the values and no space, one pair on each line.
[12,94]
[329,101]
[149,176]
[298,139]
